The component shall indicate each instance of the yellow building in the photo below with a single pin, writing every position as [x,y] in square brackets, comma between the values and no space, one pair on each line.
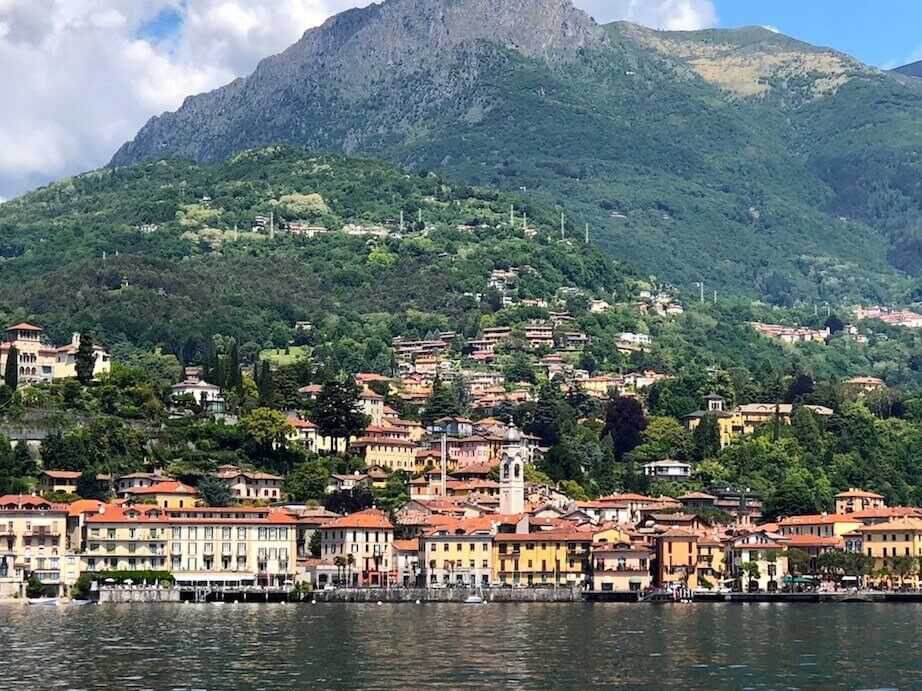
[196,545]
[458,553]
[560,557]
[819,525]
[65,360]
[886,541]
[169,494]
[41,362]
[386,447]
[677,558]
[618,565]
[853,500]
[729,424]
[65,481]
[33,542]
[711,562]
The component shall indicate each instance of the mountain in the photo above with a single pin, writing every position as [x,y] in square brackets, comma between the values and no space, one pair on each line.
[167,254]
[913,69]
[756,163]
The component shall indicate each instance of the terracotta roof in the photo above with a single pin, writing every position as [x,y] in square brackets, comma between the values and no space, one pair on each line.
[24,326]
[858,493]
[904,524]
[382,441]
[168,487]
[406,545]
[250,474]
[817,519]
[82,506]
[564,535]
[298,423]
[813,541]
[29,501]
[678,533]
[463,526]
[369,518]
[697,495]
[62,474]
[887,512]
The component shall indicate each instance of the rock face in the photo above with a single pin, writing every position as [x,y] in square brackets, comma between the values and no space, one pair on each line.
[429,52]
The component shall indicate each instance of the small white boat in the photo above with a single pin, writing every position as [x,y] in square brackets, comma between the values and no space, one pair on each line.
[473,600]
[43,600]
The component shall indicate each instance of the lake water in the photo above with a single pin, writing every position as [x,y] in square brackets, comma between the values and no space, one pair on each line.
[530,646]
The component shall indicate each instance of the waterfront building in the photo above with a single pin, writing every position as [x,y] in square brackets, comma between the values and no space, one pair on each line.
[364,540]
[33,543]
[458,553]
[229,545]
[621,567]
[677,558]
[554,557]
[885,542]
[407,563]
[766,553]
[819,525]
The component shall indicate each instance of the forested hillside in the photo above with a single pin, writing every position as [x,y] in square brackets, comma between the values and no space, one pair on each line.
[165,254]
[763,165]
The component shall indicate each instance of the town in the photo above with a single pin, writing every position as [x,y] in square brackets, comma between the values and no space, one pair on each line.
[441,502]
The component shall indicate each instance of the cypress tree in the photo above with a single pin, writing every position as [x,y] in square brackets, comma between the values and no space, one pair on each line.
[85,360]
[11,372]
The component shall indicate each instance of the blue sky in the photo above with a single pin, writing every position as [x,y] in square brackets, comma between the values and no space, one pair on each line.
[884,33]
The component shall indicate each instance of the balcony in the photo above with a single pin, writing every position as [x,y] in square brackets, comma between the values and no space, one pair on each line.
[43,533]
[48,577]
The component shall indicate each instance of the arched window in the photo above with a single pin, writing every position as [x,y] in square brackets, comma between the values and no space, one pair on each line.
[517,471]
[505,471]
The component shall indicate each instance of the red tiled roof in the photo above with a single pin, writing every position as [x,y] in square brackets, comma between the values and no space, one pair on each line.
[859,493]
[813,541]
[62,474]
[298,423]
[168,487]
[406,545]
[82,506]
[369,518]
[818,519]
[564,535]
[29,501]
[24,326]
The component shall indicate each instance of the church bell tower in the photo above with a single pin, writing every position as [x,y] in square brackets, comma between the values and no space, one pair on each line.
[512,473]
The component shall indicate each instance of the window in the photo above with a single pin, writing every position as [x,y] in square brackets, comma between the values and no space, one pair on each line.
[241,533]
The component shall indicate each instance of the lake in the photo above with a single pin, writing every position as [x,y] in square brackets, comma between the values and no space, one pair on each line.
[528,646]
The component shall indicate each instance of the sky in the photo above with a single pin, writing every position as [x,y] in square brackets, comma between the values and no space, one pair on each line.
[80,77]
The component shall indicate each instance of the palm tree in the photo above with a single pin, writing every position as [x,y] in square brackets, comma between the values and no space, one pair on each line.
[350,562]
[340,564]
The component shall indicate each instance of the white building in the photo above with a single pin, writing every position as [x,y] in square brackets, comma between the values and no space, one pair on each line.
[512,473]
[668,470]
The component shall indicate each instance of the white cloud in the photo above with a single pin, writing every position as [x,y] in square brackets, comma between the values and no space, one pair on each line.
[77,81]
[671,15]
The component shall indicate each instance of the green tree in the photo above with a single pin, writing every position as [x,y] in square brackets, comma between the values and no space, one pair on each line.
[336,410]
[519,369]
[441,403]
[706,438]
[395,493]
[663,438]
[11,370]
[308,481]
[89,487]
[624,423]
[214,492]
[315,545]
[267,428]
[85,359]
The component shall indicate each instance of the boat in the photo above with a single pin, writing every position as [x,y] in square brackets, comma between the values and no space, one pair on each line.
[43,600]
[473,600]
[80,603]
